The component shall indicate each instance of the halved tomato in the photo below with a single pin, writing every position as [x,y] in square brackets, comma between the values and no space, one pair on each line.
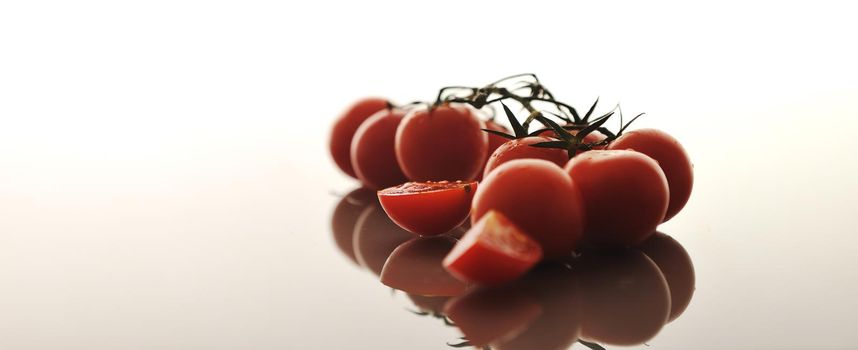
[493,251]
[428,208]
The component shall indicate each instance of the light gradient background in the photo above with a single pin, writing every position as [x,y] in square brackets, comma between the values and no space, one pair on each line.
[165,183]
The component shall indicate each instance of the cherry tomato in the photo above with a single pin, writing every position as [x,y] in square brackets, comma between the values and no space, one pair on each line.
[675,264]
[415,267]
[539,198]
[375,237]
[345,218]
[444,143]
[428,208]
[625,194]
[495,141]
[671,157]
[493,251]
[493,315]
[522,149]
[625,297]
[344,130]
[372,152]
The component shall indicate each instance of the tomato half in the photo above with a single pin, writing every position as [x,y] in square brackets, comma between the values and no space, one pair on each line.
[415,267]
[372,153]
[675,264]
[493,251]
[522,149]
[625,193]
[345,217]
[344,129]
[540,198]
[428,208]
[442,143]
[672,159]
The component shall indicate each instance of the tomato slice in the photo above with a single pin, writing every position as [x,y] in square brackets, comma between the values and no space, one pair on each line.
[493,251]
[415,268]
[428,208]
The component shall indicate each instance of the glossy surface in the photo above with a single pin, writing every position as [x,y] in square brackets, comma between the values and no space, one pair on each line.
[165,181]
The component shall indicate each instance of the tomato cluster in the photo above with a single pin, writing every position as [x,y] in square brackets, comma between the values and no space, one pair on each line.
[532,193]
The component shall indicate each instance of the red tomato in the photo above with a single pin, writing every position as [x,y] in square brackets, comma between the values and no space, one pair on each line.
[671,157]
[344,130]
[345,218]
[444,143]
[428,208]
[539,198]
[493,315]
[493,251]
[375,237]
[415,267]
[495,141]
[522,149]
[675,264]
[625,298]
[372,152]
[625,194]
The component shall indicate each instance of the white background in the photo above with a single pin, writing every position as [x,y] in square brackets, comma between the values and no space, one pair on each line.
[133,134]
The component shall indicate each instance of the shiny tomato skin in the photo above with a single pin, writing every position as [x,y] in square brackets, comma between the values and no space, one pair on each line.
[344,129]
[671,157]
[495,141]
[494,251]
[375,237]
[428,208]
[522,149]
[675,264]
[625,193]
[415,268]
[373,156]
[345,217]
[625,297]
[540,199]
[443,143]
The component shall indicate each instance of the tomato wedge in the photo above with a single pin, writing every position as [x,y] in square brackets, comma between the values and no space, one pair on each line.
[493,251]
[428,208]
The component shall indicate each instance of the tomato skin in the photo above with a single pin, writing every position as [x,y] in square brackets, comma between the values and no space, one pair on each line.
[495,141]
[539,198]
[672,159]
[372,152]
[344,129]
[375,237]
[625,297]
[415,268]
[345,216]
[444,143]
[522,149]
[429,213]
[625,193]
[675,264]
[494,251]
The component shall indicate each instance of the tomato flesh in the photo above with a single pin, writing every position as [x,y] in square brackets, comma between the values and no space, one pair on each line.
[428,208]
[493,251]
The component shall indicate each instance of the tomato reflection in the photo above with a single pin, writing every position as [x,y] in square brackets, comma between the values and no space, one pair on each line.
[613,297]
[415,267]
[345,216]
